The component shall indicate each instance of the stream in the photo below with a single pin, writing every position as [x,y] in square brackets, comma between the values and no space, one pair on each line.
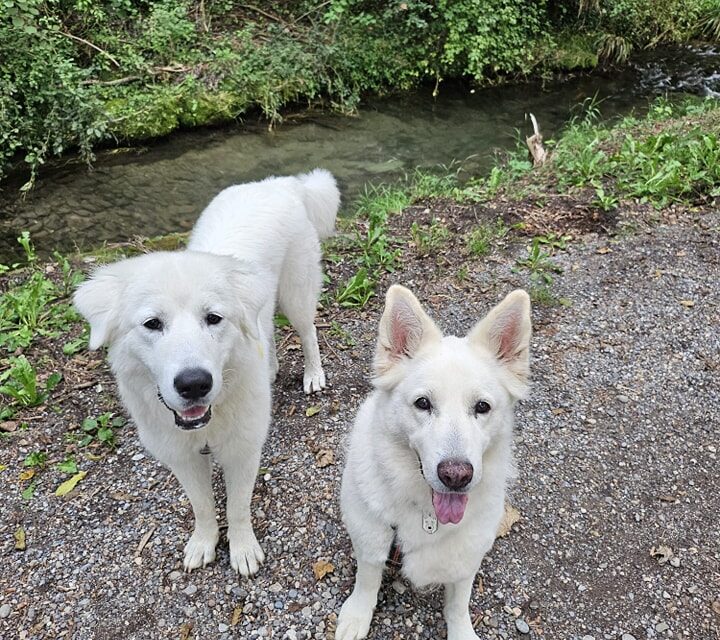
[162,187]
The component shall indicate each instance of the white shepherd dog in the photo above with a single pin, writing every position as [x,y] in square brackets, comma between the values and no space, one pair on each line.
[429,454]
[190,336]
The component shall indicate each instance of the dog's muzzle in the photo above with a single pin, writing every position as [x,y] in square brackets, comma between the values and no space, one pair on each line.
[192,418]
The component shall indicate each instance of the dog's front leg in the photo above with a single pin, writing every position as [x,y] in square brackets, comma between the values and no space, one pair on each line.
[246,556]
[357,611]
[457,614]
[195,476]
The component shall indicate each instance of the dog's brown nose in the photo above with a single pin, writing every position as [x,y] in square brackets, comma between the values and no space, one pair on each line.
[455,474]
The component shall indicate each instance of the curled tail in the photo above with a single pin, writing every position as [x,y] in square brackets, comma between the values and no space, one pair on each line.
[322,199]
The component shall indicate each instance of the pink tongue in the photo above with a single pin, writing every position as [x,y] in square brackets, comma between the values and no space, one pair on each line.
[449,507]
[194,412]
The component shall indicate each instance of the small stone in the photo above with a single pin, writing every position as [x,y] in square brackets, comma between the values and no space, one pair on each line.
[675,561]
[399,587]
[491,622]
[522,626]
[175,576]
[588,638]
[190,590]
[627,636]
[276,587]
[623,398]
[138,456]
[662,626]
[222,627]
[5,610]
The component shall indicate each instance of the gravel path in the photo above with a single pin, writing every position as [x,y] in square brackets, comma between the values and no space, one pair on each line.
[618,485]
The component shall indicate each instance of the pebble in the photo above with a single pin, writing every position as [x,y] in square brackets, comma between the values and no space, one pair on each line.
[222,627]
[522,626]
[5,610]
[399,587]
[627,636]
[190,590]
[175,576]
[662,626]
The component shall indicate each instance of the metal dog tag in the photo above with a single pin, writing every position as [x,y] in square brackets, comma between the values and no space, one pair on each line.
[206,450]
[429,522]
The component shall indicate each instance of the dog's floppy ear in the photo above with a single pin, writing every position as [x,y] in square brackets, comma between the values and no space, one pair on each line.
[252,288]
[505,332]
[404,328]
[98,299]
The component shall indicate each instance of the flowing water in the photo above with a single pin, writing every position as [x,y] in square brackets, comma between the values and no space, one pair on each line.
[163,187]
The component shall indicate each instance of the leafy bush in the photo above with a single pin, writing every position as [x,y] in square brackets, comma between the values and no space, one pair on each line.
[45,105]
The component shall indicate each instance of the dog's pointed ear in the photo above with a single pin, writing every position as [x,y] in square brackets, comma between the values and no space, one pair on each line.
[404,328]
[505,332]
[97,300]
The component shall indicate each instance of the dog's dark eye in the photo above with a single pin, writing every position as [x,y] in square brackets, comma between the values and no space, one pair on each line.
[154,324]
[482,407]
[213,318]
[423,404]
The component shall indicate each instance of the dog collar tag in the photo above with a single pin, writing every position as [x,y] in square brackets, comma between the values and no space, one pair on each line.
[429,522]
[206,450]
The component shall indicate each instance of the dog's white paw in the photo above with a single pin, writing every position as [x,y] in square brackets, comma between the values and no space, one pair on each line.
[314,381]
[353,621]
[200,550]
[246,556]
[461,631]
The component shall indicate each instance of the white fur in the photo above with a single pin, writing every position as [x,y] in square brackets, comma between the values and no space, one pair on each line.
[267,225]
[395,449]
[278,223]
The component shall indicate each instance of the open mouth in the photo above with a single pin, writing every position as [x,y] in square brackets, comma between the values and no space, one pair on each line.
[449,507]
[191,418]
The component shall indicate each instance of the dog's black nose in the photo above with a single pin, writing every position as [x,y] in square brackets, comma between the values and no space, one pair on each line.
[455,474]
[193,384]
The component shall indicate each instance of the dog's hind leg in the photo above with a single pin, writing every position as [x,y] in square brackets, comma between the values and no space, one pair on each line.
[195,476]
[457,614]
[298,294]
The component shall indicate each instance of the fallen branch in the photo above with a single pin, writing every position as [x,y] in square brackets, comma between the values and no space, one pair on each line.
[107,83]
[92,46]
[534,143]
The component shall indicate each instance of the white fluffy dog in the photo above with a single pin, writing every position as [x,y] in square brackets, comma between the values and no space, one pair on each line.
[190,336]
[429,453]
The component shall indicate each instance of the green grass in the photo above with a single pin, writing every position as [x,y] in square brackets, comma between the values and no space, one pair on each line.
[35,305]
[429,238]
[480,241]
[20,383]
[671,154]
[676,163]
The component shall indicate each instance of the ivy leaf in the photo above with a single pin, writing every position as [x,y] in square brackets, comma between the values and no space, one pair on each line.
[68,466]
